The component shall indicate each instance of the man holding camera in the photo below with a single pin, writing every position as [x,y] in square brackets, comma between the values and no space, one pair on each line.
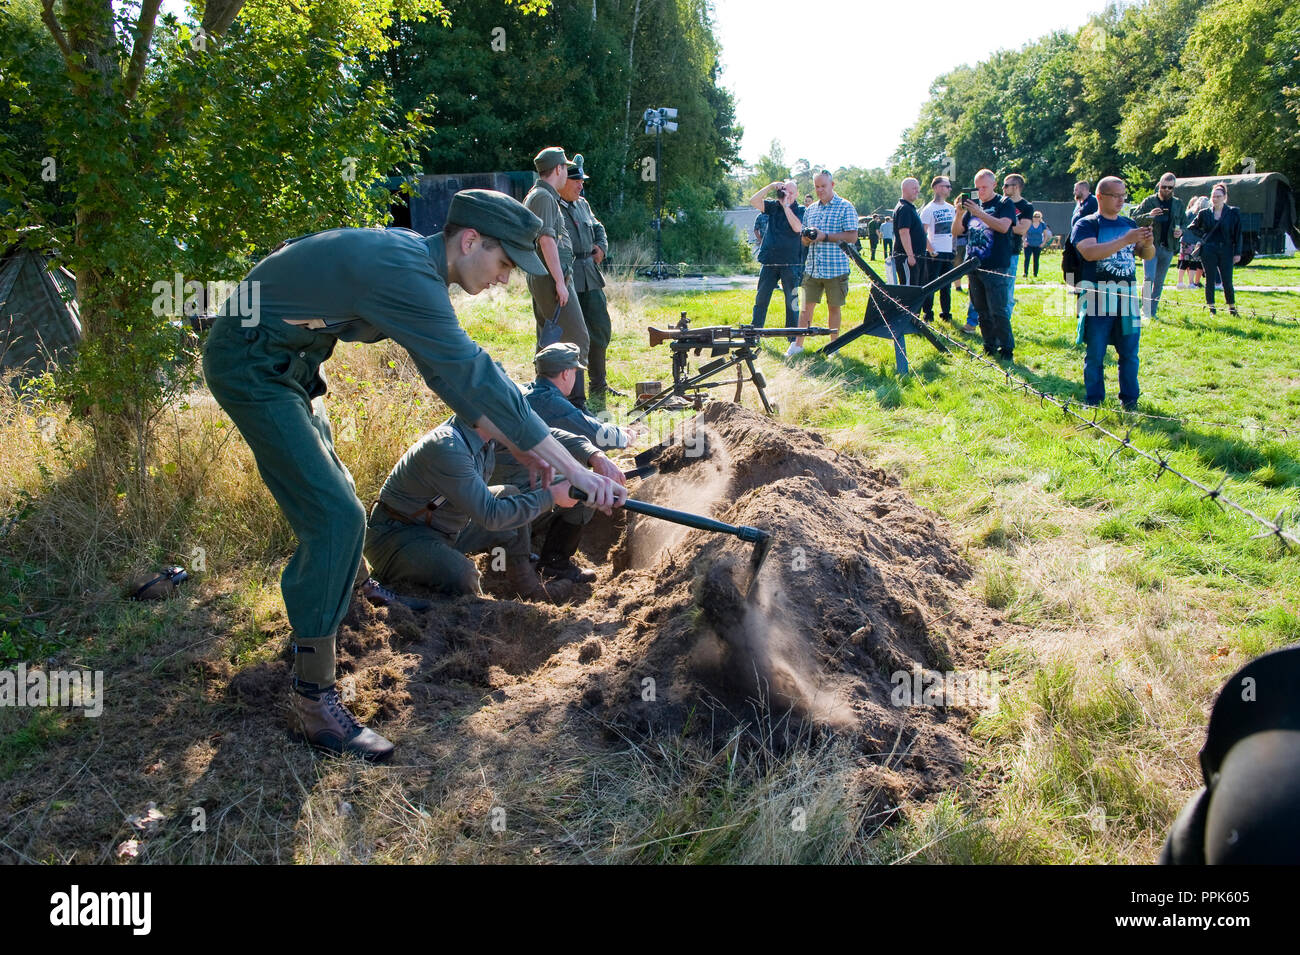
[780,251]
[986,220]
[1109,245]
[1167,213]
[828,222]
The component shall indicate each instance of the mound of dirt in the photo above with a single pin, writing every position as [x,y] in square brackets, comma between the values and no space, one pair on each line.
[859,586]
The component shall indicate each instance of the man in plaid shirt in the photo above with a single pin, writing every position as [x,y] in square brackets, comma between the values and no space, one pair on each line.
[827,267]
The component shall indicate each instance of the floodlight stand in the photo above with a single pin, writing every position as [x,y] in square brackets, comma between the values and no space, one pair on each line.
[659,270]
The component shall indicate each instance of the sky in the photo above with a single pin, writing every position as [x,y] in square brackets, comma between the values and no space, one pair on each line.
[839,81]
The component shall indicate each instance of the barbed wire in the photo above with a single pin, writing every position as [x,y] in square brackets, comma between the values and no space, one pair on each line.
[1227,426]
[1238,426]
[1273,528]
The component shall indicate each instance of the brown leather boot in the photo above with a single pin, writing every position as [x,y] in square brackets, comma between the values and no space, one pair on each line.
[321,719]
[523,579]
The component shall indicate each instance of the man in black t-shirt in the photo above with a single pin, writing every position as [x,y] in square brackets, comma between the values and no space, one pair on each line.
[987,221]
[781,252]
[910,253]
[1012,187]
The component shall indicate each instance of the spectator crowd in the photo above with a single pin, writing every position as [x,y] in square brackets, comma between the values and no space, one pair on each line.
[798,248]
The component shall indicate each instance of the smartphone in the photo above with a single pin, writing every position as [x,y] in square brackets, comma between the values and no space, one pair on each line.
[1146,221]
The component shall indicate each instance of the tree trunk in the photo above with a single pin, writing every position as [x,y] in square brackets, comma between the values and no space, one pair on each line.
[627,113]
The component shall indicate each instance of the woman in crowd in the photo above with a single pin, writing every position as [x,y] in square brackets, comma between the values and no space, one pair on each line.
[1218,229]
[1189,267]
[1038,236]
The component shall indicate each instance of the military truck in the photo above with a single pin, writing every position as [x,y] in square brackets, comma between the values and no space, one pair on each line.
[1267,207]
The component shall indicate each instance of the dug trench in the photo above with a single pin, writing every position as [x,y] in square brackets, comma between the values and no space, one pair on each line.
[860,587]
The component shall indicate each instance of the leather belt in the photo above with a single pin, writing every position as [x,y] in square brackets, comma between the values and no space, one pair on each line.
[423,516]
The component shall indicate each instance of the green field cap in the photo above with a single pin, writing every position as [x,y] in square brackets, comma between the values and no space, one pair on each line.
[561,356]
[548,159]
[505,219]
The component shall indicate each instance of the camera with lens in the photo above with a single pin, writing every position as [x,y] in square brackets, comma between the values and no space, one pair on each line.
[780,193]
[810,234]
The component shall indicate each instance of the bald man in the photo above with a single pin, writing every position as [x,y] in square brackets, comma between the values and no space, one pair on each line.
[912,249]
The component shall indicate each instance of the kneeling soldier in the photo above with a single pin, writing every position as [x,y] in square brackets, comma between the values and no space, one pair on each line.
[436,507]
[557,368]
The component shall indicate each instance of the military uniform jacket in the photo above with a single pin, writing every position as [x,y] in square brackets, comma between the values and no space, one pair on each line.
[544,202]
[369,284]
[559,412]
[447,471]
[585,230]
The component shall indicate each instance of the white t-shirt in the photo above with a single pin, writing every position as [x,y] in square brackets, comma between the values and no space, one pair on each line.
[937,218]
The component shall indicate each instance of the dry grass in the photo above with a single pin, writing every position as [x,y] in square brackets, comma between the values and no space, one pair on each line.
[1110,666]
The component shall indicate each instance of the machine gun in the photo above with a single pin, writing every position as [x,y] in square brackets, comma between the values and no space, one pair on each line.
[730,346]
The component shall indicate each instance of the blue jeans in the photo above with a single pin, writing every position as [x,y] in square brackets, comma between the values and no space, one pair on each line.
[989,293]
[1154,271]
[1098,332]
[768,276]
[1011,291]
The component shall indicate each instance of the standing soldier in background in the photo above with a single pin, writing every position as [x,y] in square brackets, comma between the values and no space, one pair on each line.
[590,246]
[555,288]
[365,285]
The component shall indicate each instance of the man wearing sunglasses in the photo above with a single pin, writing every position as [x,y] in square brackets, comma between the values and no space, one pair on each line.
[1167,209]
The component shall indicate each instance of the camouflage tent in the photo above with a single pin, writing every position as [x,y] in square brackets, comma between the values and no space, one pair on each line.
[1267,207]
[39,321]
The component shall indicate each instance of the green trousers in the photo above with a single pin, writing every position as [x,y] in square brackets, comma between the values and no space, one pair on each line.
[573,327]
[403,553]
[267,379]
[595,313]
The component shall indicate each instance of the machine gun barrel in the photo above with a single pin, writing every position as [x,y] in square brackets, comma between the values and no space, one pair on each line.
[712,336]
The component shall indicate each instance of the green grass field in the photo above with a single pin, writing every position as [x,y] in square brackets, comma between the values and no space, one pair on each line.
[1140,595]
[1134,597]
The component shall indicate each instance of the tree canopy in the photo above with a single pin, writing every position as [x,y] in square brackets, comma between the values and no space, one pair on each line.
[1194,86]
[500,84]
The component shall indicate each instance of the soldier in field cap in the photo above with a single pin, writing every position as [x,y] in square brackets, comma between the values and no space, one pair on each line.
[560,530]
[264,370]
[590,246]
[554,290]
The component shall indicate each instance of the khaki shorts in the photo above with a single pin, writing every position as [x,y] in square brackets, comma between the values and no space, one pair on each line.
[836,288]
